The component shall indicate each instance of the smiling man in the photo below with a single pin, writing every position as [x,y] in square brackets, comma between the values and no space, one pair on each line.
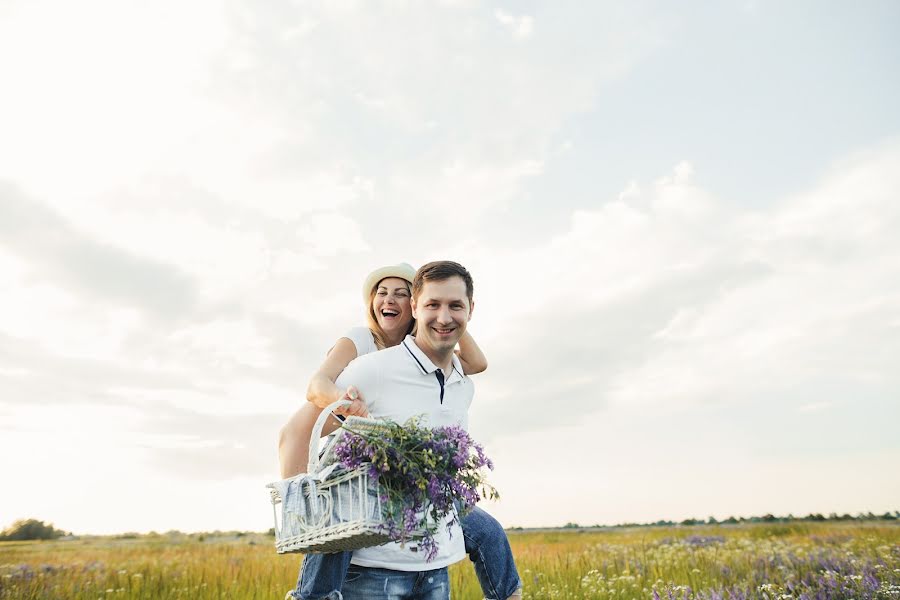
[442,304]
[420,376]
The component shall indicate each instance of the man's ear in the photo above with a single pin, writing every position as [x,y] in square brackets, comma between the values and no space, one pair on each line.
[471,308]
[412,305]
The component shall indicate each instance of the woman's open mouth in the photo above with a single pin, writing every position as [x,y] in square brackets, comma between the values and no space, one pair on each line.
[390,313]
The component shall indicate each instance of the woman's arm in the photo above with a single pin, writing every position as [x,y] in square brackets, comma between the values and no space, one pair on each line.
[293,442]
[321,390]
[470,355]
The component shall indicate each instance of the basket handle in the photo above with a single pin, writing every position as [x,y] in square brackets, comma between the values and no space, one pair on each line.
[317,432]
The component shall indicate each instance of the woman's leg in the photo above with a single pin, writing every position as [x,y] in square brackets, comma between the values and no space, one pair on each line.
[488,548]
[293,443]
[321,577]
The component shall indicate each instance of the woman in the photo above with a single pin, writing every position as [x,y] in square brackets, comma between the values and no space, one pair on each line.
[387,293]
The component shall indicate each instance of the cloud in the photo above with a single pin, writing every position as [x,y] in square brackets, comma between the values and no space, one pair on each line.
[521,27]
[671,300]
[259,167]
[193,445]
[60,253]
[455,95]
[35,375]
[671,334]
[84,321]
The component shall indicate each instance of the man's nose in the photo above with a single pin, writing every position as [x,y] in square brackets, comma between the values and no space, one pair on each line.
[444,316]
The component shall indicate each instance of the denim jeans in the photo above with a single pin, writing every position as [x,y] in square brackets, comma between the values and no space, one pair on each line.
[488,549]
[369,583]
[322,575]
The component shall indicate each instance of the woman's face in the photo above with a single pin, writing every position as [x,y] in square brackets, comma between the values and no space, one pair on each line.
[391,305]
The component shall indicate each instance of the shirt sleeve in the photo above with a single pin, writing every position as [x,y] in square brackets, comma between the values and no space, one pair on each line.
[362,373]
[361,338]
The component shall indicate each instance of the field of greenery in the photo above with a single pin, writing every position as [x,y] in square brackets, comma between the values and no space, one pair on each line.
[814,561]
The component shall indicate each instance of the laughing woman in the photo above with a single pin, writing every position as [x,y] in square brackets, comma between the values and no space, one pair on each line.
[386,292]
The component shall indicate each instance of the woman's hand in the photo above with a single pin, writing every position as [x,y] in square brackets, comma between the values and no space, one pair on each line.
[321,390]
[357,408]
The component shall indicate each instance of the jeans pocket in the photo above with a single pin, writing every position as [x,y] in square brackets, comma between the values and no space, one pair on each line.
[353,574]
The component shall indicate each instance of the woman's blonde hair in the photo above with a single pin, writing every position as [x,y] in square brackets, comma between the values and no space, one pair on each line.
[372,322]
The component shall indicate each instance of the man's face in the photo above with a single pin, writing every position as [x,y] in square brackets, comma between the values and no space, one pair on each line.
[442,312]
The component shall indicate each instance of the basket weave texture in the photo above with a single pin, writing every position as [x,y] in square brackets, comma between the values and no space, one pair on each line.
[329,508]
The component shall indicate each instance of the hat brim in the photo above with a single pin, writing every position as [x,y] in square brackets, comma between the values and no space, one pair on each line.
[401,271]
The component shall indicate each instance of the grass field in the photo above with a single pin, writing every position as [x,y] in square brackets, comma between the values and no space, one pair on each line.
[815,561]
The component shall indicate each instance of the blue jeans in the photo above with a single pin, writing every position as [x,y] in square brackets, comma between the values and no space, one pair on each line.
[322,575]
[368,583]
[488,549]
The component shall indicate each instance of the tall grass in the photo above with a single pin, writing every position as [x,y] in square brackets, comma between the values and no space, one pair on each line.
[812,561]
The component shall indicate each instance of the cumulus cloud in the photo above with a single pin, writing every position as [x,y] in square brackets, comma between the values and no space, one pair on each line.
[670,300]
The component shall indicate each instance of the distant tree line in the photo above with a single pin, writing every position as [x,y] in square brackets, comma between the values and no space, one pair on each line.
[767,518]
[30,529]
[770,518]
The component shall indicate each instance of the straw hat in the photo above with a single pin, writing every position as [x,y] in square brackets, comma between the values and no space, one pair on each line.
[401,271]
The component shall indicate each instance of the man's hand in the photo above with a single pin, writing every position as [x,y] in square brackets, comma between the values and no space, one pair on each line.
[358,408]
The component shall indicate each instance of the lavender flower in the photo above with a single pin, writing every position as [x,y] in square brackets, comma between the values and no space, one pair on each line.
[424,475]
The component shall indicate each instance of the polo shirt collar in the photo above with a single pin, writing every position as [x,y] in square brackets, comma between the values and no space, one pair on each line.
[425,363]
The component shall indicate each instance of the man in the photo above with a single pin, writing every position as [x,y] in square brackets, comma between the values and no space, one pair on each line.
[420,376]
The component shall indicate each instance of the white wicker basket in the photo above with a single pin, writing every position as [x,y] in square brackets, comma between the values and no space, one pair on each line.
[328,509]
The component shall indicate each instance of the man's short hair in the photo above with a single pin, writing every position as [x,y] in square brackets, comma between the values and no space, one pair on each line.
[440,270]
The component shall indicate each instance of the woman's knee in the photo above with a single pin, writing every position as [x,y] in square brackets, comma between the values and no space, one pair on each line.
[291,435]
[284,435]
[481,529]
[293,440]
[299,427]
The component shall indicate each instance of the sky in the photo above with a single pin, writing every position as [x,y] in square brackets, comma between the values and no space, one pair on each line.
[682,220]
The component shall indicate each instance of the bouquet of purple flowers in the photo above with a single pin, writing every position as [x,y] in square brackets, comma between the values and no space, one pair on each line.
[423,473]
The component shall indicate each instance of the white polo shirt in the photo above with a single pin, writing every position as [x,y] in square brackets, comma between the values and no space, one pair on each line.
[398,383]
